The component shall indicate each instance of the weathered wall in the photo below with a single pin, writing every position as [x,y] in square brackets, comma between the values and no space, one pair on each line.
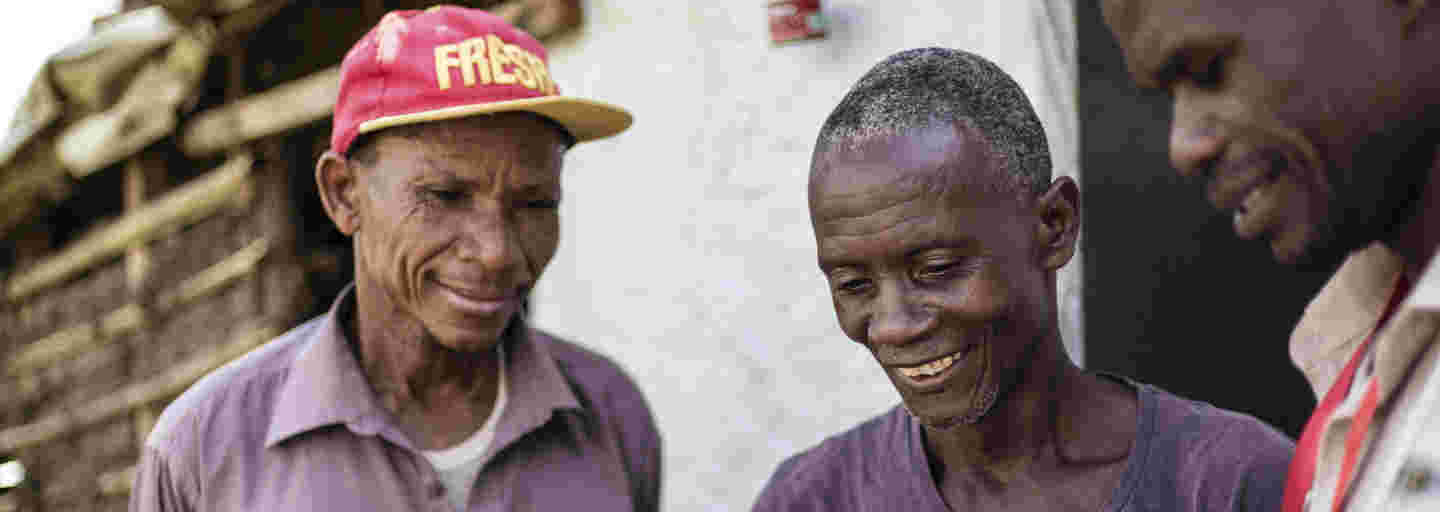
[687,252]
[64,473]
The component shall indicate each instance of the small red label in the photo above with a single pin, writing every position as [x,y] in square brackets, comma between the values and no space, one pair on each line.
[794,20]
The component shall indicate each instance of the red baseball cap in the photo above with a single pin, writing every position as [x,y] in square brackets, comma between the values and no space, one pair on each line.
[447,62]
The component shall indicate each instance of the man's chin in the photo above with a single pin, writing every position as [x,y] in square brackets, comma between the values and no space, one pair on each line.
[467,340]
[977,408]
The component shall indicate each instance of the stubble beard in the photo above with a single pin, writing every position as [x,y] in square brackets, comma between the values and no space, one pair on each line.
[982,400]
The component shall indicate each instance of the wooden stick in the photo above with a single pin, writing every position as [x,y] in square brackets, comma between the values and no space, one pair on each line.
[184,205]
[233,267]
[117,482]
[276,110]
[171,382]
[68,342]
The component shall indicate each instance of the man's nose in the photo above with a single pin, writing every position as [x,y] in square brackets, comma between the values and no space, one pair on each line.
[489,238]
[897,319]
[1195,141]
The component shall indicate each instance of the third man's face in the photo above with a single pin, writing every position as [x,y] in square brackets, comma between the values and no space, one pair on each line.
[1298,116]
[939,281]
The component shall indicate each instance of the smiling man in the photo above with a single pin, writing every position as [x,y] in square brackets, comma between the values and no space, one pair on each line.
[940,231]
[423,388]
[1316,125]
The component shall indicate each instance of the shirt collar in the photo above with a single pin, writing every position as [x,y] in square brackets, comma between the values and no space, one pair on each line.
[1413,328]
[326,386]
[1342,314]
[1346,311]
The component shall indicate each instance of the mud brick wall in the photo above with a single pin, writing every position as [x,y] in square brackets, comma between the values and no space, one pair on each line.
[63,472]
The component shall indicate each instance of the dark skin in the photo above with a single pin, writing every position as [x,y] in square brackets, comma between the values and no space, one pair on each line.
[1316,124]
[930,252]
[451,223]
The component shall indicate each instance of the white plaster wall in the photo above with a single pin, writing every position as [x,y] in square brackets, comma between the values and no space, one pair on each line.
[687,253]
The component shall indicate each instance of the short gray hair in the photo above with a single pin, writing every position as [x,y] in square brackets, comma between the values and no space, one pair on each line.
[917,88]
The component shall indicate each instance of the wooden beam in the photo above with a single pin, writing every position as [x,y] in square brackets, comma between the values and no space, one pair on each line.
[277,110]
[68,342]
[117,482]
[173,381]
[144,114]
[129,318]
[233,267]
[183,205]
[137,256]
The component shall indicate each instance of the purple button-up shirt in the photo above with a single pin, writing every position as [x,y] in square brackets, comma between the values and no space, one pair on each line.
[295,425]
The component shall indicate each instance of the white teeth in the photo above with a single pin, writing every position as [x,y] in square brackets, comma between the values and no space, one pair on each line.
[928,369]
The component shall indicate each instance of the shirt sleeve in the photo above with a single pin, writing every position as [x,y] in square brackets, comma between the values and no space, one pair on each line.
[157,487]
[1261,485]
[642,452]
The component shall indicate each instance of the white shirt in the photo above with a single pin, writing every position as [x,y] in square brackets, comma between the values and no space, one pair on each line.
[1399,465]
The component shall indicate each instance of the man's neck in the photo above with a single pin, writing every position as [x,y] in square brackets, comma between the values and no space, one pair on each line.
[1417,240]
[1025,426]
[441,393]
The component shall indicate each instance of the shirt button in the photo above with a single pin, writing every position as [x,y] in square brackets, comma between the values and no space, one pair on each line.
[1416,479]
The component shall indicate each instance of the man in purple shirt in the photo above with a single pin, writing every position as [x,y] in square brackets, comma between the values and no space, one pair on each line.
[422,388]
[940,230]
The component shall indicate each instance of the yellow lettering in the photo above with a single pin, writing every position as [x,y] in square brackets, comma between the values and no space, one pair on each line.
[443,62]
[472,56]
[498,60]
[521,59]
[542,75]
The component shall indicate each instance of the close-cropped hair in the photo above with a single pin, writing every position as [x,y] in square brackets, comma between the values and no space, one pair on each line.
[919,88]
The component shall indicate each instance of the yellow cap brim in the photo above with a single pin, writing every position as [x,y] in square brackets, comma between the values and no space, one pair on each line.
[586,119]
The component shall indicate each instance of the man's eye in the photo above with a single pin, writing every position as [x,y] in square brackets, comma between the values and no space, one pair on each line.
[1208,73]
[852,286]
[445,195]
[542,204]
[937,271]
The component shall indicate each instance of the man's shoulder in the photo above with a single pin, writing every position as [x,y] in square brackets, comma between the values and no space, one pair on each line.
[236,391]
[1221,456]
[837,466]
[1199,422]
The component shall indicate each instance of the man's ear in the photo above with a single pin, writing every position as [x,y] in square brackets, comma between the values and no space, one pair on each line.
[1059,228]
[339,184]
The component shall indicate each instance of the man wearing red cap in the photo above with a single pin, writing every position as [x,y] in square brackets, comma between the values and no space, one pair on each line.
[423,388]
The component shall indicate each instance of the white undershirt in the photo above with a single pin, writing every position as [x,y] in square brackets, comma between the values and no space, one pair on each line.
[459,465]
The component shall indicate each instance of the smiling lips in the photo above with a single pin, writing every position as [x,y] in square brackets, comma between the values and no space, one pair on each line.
[931,373]
[1255,203]
[929,369]
[477,302]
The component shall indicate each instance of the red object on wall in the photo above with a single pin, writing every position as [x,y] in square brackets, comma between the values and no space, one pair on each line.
[795,20]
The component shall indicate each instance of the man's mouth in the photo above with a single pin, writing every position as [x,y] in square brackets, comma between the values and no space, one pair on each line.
[1252,195]
[929,369]
[933,373]
[478,301]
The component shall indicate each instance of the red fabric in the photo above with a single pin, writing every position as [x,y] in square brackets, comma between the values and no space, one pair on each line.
[392,69]
[1356,440]
[1302,467]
